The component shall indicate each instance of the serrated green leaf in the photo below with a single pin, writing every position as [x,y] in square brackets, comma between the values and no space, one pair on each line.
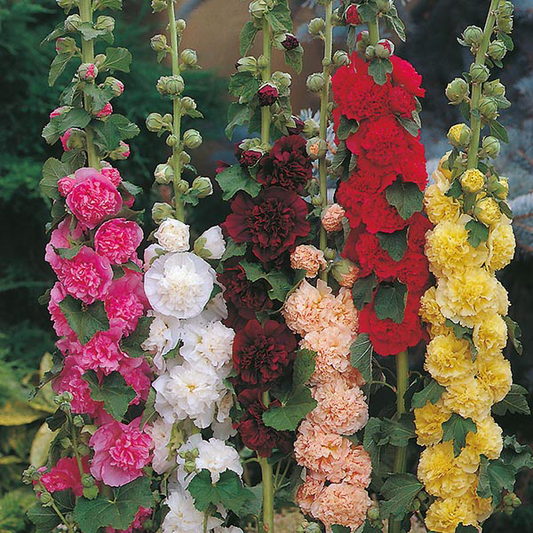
[86,321]
[233,249]
[114,129]
[304,366]
[114,392]
[149,412]
[507,40]
[379,69]
[119,512]
[399,432]
[341,155]
[494,478]
[100,95]
[280,17]
[244,85]
[498,130]
[514,402]
[373,441]
[132,343]
[74,118]
[517,455]
[89,32]
[53,171]
[247,37]
[292,410]
[390,301]
[117,59]
[406,197]
[361,352]
[363,290]
[45,519]
[515,334]
[346,127]
[294,58]
[234,179]
[367,12]
[57,67]
[69,253]
[238,115]
[394,243]
[279,283]
[431,393]
[456,428]
[399,491]
[395,23]
[477,233]
[410,125]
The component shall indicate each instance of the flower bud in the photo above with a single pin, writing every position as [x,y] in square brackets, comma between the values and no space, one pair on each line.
[67,5]
[373,513]
[352,15]
[185,158]
[267,94]
[189,57]
[247,64]
[505,9]
[99,59]
[120,153]
[505,24]
[87,71]
[159,5]
[76,139]
[497,50]
[87,480]
[473,35]
[192,139]
[258,8]
[202,186]
[330,254]
[154,122]
[336,19]
[188,104]
[172,140]
[488,108]
[384,49]
[472,180]
[290,41]
[46,499]
[459,135]
[158,43]
[345,272]
[315,82]
[251,157]
[316,200]
[116,85]
[163,174]
[341,58]
[479,73]
[311,128]
[316,26]
[370,51]
[181,25]
[384,6]
[498,187]
[210,244]
[91,493]
[295,125]
[170,85]
[78,421]
[317,148]
[494,88]
[312,527]
[457,91]
[161,211]
[65,45]
[487,211]
[282,80]
[105,23]
[72,23]
[491,146]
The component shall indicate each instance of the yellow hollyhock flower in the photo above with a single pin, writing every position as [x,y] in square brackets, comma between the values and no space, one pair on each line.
[428,422]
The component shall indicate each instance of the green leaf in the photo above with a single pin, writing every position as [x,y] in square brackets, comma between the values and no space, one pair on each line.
[373,441]
[248,34]
[86,321]
[399,432]
[233,249]
[399,491]
[119,512]
[363,290]
[113,130]
[238,115]
[58,31]
[149,413]
[114,392]
[134,190]
[498,130]
[244,85]
[45,519]
[394,243]
[69,253]
[75,118]
[477,233]
[279,283]
[456,428]
[368,12]
[341,155]
[515,334]
[132,343]
[514,402]
[379,68]
[406,197]
[361,352]
[228,491]
[395,23]
[117,59]
[466,529]
[346,127]
[507,40]
[304,366]
[494,478]
[390,301]
[53,171]
[294,58]
[58,66]
[100,95]
[340,529]
[517,455]
[431,393]
[89,32]
[280,17]
[234,179]
[292,410]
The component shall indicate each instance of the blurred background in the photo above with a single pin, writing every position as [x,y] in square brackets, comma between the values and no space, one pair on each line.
[26,335]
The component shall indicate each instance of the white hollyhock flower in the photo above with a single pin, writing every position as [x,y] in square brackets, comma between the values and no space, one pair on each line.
[151,253]
[216,309]
[179,284]
[230,529]
[161,432]
[173,235]
[210,343]
[210,244]
[188,391]
[183,517]
[183,455]
[217,457]
[165,332]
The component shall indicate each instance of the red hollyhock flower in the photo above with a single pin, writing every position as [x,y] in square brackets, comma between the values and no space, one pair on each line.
[418,228]
[255,435]
[413,165]
[272,222]
[291,42]
[380,216]
[404,74]
[413,271]
[373,258]
[287,165]
[262,354]
[401,101]
[352,16]
[387,337]
[267,94]
[249,158]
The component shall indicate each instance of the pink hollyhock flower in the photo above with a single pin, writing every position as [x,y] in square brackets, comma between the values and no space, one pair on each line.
[66,475]
[65,185]
[125,302]
[142,515]
[136,372]
[60,239]
[112,174]
[64,140]
[57,295]
[87,276]
[121,451]
[118,239]
[105,111]
[93,198]
[102,352]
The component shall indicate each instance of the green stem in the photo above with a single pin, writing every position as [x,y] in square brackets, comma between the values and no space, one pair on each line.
[75,445]
[266,73]
[268,485]
[87,56]
[400,461]
[176,111]
[324,119]
[56,509]
[373,31]
[475,116]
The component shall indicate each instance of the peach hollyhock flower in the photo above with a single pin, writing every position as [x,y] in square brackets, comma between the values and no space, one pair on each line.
[341,408]
[357,467]
[342,504]
[332,218]
[308,492]
[307,257]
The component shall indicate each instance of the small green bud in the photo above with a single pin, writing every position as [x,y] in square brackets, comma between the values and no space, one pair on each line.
[498,187]
[370,52]
[65,442]
[106,23]
[154,122]
[373,513]
[168,119]
[30,474]
[121,152]
[384,6]
[159,5]
[341,58]
[87,480]
[99,60]
[497,50]
[181,25]
[479,73]
[473,35]
[187,103]
[67,5]
[72,23]
[330,254]
[192,139]
[161,211]
[315,82]
[46,499]
[170,85]
[316,200]
[76,140]
[172,140]
[457,91]
[317,148]
[316,26]
[202,186]
[163,174]
[494,88]
[185,158]
[91,493]
[87,71]
[258,8]
[262,62]
[491,147]
[505,24]
[189,57]
[78,421]
[247,64]
[83,449]
[336,19]
[416,505]
[459,135]
[183,188]
[505,9]
[488,108]
[384,49]
[65,45]
[158,43]
[282,80]
[116,85]
[311,128]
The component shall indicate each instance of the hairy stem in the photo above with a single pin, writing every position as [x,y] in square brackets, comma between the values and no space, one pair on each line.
[266,73]
[373,31]
[268,485]
[475,115]
[87,56]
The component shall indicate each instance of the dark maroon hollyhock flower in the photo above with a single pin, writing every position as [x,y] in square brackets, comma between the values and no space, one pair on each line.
[290,42]
[272,221]
[249,158]
[352,16]
[255,435]
[299,126]
[267,94]
[262,354]
[287,165]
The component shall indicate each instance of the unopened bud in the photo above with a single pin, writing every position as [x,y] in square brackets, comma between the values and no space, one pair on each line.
[105,23]
[99,59]
[120,153]
[78,421]
[87,71]
[67,5]
[189,57]
[345,272]
[185,158]
[46,499]
[311,128]
[317,148]
[172,140]
[505,9]
[488,108]
[352,15]
[499,187]
[267,94]
[170,85]
[258,8]
[158,43]
[316,26]
[315,82]
[72,22]
[65,45]
[373,513]
[330,254]
[370,51]
[154,122]
[247,64]
[384,49]
[341,58]
[457,91]
[187,103]
[494,88]
[76,139]
[91,493]
[163,174]
[472,180]
[161,211]
[384,6]
[87,480]
[505,24]
[491,146]
[459,135]
[479,73]
[497,50]
[116,85]
[202,186]
[181,25]
[192,139]
[473,35]
[159,5]
[282,80]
